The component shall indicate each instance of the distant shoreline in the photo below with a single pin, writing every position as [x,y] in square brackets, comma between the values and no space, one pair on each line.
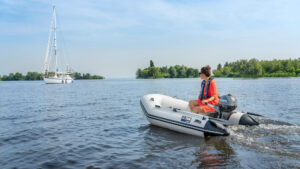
[177,71]
[35,76]
[254,68]
[243,68]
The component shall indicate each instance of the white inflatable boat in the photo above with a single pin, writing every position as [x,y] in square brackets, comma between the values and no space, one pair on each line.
[174,114]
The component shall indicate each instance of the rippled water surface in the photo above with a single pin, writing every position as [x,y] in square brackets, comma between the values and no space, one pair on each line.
[99,124]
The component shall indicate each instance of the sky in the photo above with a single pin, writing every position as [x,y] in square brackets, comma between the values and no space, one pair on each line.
[115,37]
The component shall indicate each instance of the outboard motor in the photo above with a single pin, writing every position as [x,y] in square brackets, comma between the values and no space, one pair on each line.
[227,104]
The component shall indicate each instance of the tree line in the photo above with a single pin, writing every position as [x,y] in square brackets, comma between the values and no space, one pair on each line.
[38,76]
[79,76]
[177,71]
[256,68]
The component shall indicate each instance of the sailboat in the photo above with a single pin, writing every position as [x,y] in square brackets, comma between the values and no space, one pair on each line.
[55,76]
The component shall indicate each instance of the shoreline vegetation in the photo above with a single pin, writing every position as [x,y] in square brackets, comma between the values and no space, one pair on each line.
[177,71]
[38,76]
[252,68]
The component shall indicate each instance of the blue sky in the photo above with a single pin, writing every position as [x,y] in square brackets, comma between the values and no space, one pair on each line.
[115,37]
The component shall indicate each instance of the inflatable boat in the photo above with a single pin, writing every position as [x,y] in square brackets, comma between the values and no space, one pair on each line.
[174,114]
[226,110]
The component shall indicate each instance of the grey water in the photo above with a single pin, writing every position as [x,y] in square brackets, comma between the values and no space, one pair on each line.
[99,124]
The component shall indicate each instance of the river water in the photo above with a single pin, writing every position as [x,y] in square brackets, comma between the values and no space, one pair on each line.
[99,124]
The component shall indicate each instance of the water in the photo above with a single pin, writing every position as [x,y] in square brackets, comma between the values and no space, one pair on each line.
[99,124]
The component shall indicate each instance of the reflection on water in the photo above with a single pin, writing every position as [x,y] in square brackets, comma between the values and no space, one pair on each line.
[207,152]
[215,152]
[99,124]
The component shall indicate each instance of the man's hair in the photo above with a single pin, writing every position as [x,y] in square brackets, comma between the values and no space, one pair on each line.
[206,70]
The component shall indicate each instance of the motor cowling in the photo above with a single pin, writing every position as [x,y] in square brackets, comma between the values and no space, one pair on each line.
[227,103]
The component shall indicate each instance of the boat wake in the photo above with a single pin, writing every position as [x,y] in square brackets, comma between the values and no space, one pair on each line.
[271,136]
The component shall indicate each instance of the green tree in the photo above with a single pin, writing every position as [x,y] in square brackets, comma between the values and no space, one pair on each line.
[86,76]
[164,69]
[139,73]
[267,66]
[172,72]
[18,76]
[77,76]
[298,72]
[165,72]
[33,76]
[28,76]
[181,72]
[296,64]
[154,72]
[151,63]
[226,71]
[96,77]
[195,73]
[277,66]
[5,78]
[226,64]
[217,73]
[11,76]
[190,72]
[289,67]
[145,73]
[219,67]
[254,68]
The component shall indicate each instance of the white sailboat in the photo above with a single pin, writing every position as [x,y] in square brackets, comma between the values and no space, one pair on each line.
[55,76]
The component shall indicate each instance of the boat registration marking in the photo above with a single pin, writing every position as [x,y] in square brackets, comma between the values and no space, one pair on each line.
[186,119]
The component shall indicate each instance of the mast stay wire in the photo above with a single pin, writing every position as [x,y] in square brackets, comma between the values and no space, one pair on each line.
[63,51]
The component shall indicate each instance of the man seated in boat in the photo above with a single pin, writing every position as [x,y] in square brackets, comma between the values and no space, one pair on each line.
[208,93]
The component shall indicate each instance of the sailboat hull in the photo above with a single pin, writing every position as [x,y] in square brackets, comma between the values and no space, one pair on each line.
[58,81]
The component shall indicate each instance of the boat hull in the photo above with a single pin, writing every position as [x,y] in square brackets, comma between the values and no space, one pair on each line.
[57,81]
[234,117]
[184,122]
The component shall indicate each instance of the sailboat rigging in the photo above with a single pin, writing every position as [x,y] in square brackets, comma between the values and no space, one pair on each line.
[56,77]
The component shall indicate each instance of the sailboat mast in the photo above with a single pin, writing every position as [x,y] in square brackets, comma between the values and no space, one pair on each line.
[55,54]
[46,64]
